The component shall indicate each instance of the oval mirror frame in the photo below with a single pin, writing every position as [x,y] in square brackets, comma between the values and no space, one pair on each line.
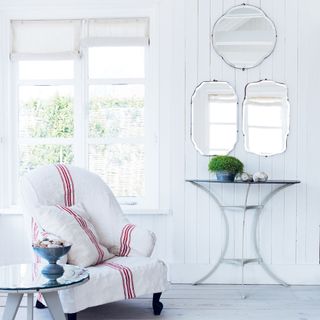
[267,23]
[207,122]
[266,125]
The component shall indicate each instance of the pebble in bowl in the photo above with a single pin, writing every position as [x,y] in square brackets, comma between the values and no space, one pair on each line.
[52,251]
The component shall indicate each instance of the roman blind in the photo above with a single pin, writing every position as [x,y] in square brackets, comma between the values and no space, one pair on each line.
[38,38]
[119,31]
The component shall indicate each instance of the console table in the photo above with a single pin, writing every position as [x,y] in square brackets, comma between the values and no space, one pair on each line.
[278,186]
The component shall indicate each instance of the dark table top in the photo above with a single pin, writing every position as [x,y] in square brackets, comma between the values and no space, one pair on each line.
[244,182]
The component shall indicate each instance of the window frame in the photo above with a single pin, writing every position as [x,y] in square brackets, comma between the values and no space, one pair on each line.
[8,133]
[15,84]
[151,128]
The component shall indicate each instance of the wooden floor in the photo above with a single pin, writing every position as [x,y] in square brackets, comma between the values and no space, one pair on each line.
[214,302]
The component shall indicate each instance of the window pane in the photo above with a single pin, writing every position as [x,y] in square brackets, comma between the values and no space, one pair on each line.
[116,62]
[36,70]
[121,166]
[116,111]
[222,112]
[46,111]
[229,134]
[32,156]
[265,116]
[265,141]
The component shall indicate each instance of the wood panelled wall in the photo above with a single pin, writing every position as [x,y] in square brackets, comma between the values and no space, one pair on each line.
[289,228]
[190,238]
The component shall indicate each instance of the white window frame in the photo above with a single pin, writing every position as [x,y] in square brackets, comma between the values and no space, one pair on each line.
[8,134]
[16,83]
[150,138]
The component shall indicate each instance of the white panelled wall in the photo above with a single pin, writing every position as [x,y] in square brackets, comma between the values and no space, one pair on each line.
[289,228]
[190,237]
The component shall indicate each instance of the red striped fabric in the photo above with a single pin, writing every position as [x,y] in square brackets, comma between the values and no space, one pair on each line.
[69,200]
[125,240]
[35,275]
[37,259]
[127,278]
[68,186]
[35,237]
[83,224]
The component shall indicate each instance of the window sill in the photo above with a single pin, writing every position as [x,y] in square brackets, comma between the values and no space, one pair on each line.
[15,210]
[146,211]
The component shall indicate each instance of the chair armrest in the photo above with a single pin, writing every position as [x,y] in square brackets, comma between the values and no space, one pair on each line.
[134,241]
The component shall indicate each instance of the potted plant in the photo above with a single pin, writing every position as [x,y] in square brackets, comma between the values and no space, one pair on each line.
[225,167]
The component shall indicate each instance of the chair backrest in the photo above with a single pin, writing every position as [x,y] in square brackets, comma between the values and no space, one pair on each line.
[67,185]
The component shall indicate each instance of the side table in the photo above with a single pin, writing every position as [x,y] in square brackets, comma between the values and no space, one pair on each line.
[16,280]
[279,185]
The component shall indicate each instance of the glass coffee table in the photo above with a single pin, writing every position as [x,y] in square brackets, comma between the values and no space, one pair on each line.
[18,279]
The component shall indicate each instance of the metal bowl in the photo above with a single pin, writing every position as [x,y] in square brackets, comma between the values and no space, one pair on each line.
[52,255]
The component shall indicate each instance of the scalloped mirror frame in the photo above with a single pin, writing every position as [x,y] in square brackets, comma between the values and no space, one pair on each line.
[271,98]
[263,56]
[199,114]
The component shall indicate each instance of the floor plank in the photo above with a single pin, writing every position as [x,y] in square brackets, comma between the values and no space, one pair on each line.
[218,302]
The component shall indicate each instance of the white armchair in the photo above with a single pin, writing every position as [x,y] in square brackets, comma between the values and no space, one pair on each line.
[131,272]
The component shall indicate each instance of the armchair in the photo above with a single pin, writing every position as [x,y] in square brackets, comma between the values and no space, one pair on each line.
[131,272]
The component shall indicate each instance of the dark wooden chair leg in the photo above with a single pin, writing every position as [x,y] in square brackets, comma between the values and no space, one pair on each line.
[40,305]
[156,304]
[71,316]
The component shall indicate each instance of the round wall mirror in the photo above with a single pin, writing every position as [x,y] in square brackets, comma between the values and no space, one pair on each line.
[244,36]
[214,106]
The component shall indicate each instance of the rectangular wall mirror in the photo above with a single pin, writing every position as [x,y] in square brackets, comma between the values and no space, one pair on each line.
[214,118]
[266,112]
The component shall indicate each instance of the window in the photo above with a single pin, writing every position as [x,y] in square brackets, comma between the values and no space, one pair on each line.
[45,92]
[116,117]
[88,102]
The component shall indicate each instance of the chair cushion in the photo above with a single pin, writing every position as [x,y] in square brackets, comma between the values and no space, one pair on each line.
[116,279]
[66,185]
[72,225]
[133,241]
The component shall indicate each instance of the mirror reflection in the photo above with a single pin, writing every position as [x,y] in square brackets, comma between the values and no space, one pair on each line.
[214,118]
[266,118]
[244,36]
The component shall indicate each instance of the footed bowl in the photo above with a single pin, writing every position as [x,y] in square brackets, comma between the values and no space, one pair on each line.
[52,255]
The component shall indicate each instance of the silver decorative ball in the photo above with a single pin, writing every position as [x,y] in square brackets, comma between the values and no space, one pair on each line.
[260,177]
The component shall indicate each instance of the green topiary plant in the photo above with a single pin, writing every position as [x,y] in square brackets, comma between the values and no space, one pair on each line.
[226,165]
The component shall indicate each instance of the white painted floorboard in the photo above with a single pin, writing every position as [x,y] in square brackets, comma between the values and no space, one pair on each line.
[218,302]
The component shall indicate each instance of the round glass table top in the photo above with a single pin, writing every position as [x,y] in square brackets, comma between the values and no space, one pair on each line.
[28,278]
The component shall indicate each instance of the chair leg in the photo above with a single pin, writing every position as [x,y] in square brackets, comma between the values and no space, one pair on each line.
[40,305]
[71,316]
[156,304]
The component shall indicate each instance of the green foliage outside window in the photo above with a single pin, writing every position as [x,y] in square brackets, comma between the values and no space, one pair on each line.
[33,156]
[50,118]
[53,118]
[109,117]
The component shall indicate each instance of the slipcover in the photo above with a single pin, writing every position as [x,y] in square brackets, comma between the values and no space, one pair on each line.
[131,272]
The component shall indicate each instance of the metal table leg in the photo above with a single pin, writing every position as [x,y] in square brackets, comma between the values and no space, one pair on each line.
[255,234]
[242,261]
[226,238]
[245,208]
[12,306]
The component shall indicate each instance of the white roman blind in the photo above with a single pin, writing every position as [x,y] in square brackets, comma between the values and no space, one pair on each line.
[117,31]
[36,39]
